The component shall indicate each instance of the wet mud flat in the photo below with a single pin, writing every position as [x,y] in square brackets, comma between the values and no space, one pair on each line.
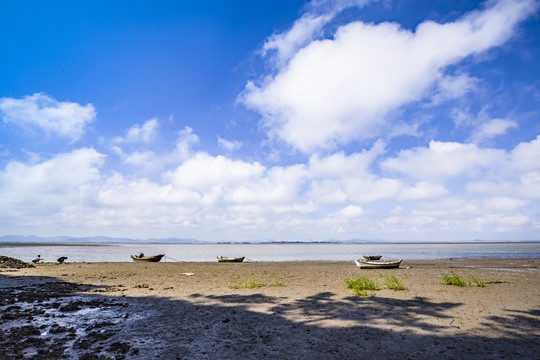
[294,310]
[48,320]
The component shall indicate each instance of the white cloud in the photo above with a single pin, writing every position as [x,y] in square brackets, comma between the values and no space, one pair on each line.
[140,158]
[203,171]
[524,157]
[526,186]
[450,87]
[351,211]
[53,117]
[339,178]
[504,204]
[339,165]
[186,140]
[307,28]
[229,145]
[491,129]
[150,161]
[443,160]
[140,133]
[423,190]
[48,188]
[210,197]
[337,90]
[484,170]
[303,30]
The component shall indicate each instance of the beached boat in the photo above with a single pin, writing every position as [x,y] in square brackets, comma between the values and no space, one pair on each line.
[141,257]
[372,257]
[230,259]
[378,264]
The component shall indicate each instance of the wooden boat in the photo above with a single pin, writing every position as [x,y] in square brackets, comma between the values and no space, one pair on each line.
[372,257]
[230,259]
[378,264]
[141,257]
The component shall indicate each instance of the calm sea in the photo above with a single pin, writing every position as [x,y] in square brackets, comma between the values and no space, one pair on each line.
[270,252]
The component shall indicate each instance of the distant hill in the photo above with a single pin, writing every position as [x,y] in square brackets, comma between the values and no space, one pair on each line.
[20,239]
[92,240]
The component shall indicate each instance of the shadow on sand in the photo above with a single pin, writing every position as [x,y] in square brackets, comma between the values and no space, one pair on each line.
[50,319]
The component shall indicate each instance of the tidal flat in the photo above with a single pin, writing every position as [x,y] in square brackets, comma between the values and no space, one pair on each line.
[304,309]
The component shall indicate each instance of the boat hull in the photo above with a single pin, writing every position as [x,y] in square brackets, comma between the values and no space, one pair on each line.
[378,264]
[225,259]
[155,258]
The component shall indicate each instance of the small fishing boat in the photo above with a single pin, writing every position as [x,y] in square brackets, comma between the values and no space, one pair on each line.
[378,264]
[141,257]
[372,257]
[230,259]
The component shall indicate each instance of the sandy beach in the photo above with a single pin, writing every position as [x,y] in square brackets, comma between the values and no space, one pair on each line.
[295,310]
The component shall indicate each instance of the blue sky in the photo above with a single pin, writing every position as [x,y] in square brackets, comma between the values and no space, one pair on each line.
[271,120]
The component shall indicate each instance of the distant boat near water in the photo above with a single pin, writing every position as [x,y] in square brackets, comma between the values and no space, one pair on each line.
[141,257]
[372,257]
[378,264]
[230,259]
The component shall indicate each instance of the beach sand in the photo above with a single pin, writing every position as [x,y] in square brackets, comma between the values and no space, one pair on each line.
[304,310]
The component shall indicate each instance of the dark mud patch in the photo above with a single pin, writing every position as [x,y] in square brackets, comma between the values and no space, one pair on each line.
[55,320]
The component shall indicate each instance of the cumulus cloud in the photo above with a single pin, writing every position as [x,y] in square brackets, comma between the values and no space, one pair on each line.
[524,157]
[450,87]
[214,192]
[351,211]
[35,192]
[41,111]
[201,195]
[283,46]
[152,161]
[333,91]
[229,145]
[492,128]
[457,217]
[286,44]
[140,133]
[423,190]
[443,160]
[486,170]
[518,174]
[184,145]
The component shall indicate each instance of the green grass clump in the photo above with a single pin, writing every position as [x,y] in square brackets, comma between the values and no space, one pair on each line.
[478,282]
[278,283]
[253,283]
[361,285]
[451,278]
[250,283]
[392,282]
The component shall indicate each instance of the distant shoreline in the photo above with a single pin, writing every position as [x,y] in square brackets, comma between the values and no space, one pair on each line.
[29,244]
[23,243]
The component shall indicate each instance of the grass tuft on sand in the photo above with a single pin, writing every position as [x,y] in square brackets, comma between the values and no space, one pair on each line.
[478,282]
[361,285]
[392,282]
[451,278]
[249,283]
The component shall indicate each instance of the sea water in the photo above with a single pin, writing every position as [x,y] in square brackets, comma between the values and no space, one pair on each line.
[270,252]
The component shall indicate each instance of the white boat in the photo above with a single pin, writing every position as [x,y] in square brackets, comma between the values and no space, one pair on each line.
[378,264]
